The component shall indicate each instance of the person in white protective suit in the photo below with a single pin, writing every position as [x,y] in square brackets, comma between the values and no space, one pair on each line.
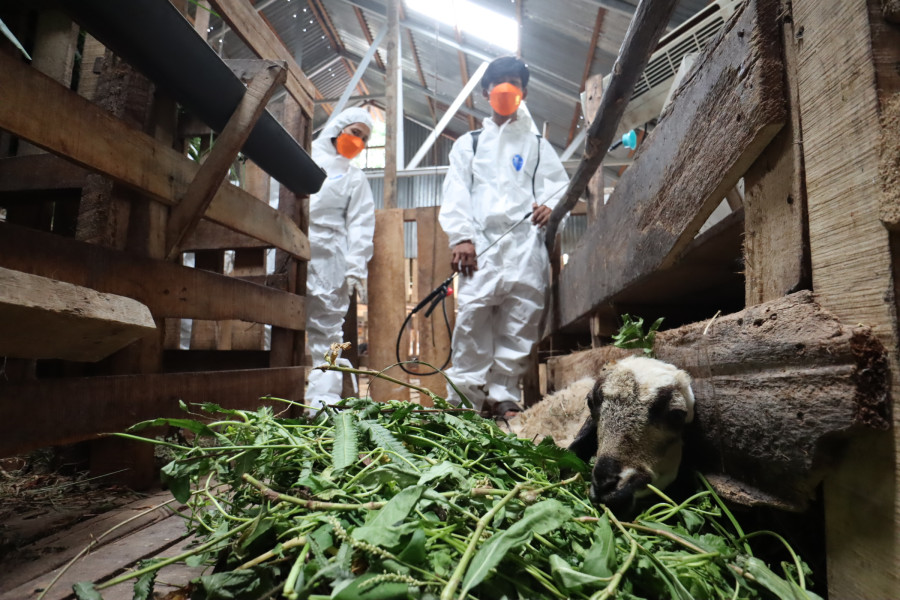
[497,176]
[341,226]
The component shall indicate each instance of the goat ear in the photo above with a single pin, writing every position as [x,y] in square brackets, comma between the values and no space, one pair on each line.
[595,397]
[684,386]
[585,443]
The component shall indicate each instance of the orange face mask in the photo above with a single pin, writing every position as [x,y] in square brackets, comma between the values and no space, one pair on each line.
[349,146]
[505,99]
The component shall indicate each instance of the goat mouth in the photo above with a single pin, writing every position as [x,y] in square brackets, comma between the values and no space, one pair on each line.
[622,499]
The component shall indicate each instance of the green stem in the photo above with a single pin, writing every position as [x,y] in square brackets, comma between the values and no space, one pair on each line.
[378,375]
[291,582]
[456,578]
[666,534]
[610,589]
[310,504]
[291,543]
[174,559]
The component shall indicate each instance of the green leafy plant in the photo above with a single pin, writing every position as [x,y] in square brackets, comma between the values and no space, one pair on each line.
[369,500]
[631,334]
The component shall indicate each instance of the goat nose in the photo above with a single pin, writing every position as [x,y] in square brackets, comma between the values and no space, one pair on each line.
[605,476]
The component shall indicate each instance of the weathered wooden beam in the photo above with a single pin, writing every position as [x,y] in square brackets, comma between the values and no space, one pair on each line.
[253,30]
[387,303]
[169,290]
[63,411]
[184,217]
[716,127]
[778,386]
[45,318]
[847,74]
[776,234]
[44,112]
[393,122]
[433,265]
[647,25]
[39,172]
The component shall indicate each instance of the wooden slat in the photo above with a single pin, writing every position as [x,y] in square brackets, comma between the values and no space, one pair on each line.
[107,561]
[57,549]
[167,289]
[45,318]
[39,172]
[776,240]
[249,25]
[64,411]
[46,113]
[184,217]
[433,262]
[713,131]
[387,303]
[777,385]
[841,73]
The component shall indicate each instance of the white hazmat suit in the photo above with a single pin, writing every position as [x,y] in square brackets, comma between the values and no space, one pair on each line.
[341,226]
[500,304]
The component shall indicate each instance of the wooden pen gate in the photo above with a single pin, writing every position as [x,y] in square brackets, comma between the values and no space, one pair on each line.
[104,218]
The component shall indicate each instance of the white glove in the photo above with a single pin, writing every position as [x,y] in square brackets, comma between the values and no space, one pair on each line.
[355,283]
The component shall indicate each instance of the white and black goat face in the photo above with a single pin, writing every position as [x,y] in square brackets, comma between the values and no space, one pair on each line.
[639,407]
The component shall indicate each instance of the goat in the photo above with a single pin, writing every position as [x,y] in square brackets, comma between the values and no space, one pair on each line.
[638,410]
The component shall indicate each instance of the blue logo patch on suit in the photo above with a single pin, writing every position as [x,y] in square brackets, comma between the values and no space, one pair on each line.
[518,161]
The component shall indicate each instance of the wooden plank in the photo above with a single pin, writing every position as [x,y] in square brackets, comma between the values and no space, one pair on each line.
[776,234]
[433,268]
[64,411]
[245,335]
[167,289]
[841,73]
[44,112]
[287,346]
[212,236]
[53,551]
[106,561]
[776,254]
[716,127]
[387,303]
[392,91]
[248,24]
[777,386]
[183,217]
[39,172]
[45,318]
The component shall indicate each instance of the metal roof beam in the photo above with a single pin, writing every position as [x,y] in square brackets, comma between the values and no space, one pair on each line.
[457,102]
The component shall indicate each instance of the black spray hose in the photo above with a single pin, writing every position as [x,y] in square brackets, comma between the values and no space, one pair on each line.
[437,296]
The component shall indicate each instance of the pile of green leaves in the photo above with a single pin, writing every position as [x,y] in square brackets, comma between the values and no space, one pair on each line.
[380,501]
[631,334]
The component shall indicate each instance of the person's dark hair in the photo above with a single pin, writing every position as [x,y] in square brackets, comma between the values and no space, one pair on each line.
[502,67]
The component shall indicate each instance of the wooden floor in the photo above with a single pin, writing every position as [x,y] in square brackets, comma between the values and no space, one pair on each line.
[137,530]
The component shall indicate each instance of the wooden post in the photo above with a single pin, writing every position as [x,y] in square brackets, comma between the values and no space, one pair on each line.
[776,236]
[433,268]
[393,121]
[288,345]
[387,303]
[845,70]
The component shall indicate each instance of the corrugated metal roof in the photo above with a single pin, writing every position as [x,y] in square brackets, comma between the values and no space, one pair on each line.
[555,40]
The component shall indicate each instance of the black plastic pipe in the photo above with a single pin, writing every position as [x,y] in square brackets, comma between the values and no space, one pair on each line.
[156,39]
